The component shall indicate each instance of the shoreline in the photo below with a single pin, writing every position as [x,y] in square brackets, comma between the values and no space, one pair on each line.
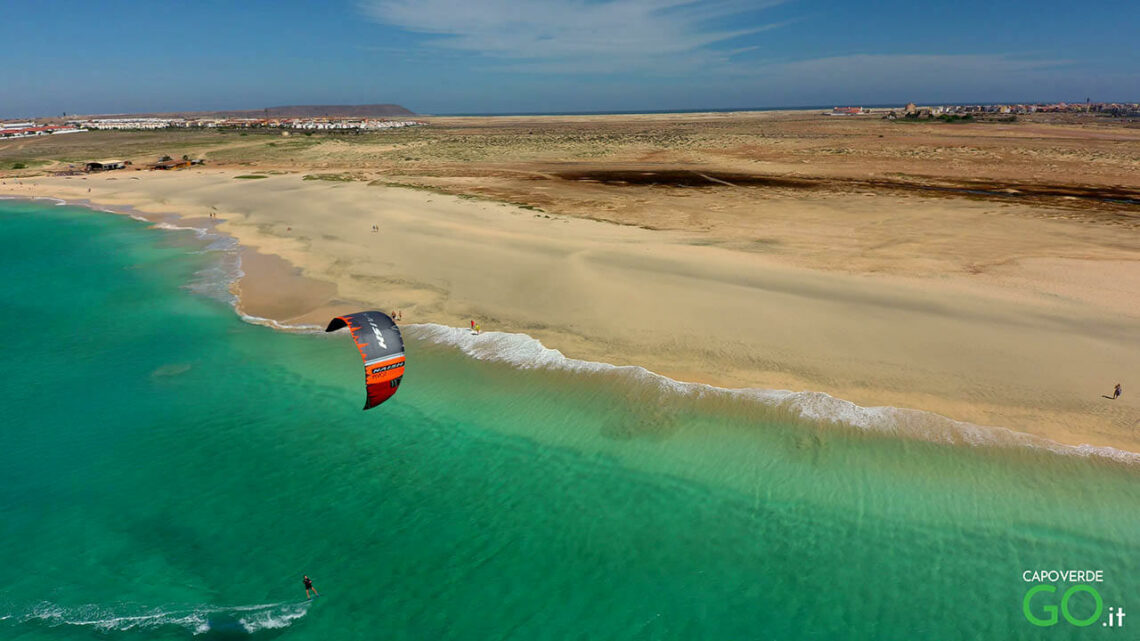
[274,268]
[527,352]
[524,351]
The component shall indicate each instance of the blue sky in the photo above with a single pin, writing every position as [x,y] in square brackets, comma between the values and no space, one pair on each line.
[449,56]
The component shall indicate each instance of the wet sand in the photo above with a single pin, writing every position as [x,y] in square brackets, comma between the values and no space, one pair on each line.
[273,288]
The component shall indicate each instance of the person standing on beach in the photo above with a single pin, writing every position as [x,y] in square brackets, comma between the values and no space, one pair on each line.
[1116,391]
[309,586]
[472,325]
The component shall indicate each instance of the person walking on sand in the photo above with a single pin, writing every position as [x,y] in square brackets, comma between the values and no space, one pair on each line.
[472,325]
[1116,391]
[309,587]
[478,329]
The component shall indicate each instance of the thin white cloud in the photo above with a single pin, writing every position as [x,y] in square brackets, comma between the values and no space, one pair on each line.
[712,46]
[577,35]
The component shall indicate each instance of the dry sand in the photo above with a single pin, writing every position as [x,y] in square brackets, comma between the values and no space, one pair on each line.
[988,313]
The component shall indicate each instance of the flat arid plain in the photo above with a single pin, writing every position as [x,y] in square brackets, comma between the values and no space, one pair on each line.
[988,272]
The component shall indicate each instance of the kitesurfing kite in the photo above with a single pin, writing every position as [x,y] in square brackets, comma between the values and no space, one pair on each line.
[381,347]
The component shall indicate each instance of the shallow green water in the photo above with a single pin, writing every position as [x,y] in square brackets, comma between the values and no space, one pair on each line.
[168,470]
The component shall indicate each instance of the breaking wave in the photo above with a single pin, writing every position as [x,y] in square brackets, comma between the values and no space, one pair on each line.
[58,201]
[525,352]
[214,281]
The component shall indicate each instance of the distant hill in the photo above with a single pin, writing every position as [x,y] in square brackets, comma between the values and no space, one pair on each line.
[293,111]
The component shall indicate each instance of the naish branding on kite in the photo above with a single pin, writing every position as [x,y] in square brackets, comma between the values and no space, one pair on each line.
[385,368]
[1070,596]
[377,332]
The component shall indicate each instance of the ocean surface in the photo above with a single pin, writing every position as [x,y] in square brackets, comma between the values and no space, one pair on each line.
[169,470]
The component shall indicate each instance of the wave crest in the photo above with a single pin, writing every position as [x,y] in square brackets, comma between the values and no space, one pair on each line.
[526,352]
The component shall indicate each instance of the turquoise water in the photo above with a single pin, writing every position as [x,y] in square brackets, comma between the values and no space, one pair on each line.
[168,471]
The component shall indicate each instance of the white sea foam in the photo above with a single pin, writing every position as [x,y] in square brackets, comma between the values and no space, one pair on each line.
[195,619]
[200,232]
[58,202]
[215,281]
[272,619]
[525,352]
[285,327]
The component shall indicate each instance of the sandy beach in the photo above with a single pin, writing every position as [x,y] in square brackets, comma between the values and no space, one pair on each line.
[1011,314]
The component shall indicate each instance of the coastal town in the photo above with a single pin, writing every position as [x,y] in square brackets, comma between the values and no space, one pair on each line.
[27,129]
[30,129]
[64,125]
[1110,109]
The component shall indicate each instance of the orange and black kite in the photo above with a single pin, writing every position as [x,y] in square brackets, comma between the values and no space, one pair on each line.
[381,347]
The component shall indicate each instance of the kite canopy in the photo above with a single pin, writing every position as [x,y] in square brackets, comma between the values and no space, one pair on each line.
[381,347]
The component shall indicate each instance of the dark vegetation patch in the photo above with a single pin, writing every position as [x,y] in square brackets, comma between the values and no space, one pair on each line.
[686,178]
[1104,194]
[342,178]
[1113,197]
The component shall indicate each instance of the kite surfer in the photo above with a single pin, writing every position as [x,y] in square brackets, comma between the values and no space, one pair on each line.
[309,586]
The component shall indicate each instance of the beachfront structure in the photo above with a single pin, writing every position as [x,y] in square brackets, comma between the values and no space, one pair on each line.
[25,132]
[124,123]
[306,124]
[105,165]
[1088,107]
[333,124]
[172,163]
[846,111]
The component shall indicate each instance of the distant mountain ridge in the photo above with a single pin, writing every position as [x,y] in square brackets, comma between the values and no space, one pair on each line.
[291,111]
